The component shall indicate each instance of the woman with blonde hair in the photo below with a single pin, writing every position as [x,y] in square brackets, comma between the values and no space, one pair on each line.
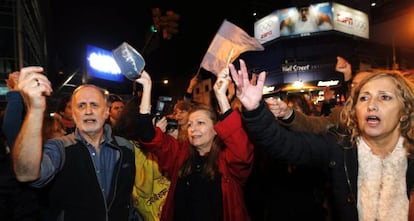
[369,161]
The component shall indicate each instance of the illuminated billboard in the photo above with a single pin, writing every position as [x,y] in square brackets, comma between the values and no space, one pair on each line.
[318,17]
[302,20]
[351,21]
[267,28]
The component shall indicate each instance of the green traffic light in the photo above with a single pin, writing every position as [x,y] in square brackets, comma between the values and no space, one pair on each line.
[153,29]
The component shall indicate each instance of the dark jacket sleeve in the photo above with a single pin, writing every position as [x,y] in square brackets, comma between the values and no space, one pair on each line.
[284,144]
[312,124]
[138,127]
[145,128]
[13,116]
[132,125]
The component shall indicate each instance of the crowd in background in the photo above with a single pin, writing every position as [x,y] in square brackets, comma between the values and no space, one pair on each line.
[240,157]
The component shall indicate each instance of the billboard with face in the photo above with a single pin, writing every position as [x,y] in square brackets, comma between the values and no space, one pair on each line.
[315,18]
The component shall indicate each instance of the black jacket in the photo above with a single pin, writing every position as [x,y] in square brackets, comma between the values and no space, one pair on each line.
[332,152]
[75,193]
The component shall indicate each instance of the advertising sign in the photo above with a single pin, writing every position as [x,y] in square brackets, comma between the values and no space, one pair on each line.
[302,21]
[351,21]
[267,28]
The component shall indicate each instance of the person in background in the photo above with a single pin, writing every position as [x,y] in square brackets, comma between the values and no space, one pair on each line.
[64,113]
[368,161]
[313,200]
[89,173]
[301,122]
[18,201]
[207,171]
[276,191]
[14,111]
[282,187]
[117,106]
[52,128]
[298,103]
[150,186]
[329,102]
[181,111]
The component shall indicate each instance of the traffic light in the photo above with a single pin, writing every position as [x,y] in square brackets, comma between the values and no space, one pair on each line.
[156,17]
[168,23]
[172,22]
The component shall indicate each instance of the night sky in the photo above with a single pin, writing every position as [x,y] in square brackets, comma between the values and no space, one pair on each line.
[107,24]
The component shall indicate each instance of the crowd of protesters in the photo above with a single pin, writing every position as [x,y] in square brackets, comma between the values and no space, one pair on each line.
[240,157]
